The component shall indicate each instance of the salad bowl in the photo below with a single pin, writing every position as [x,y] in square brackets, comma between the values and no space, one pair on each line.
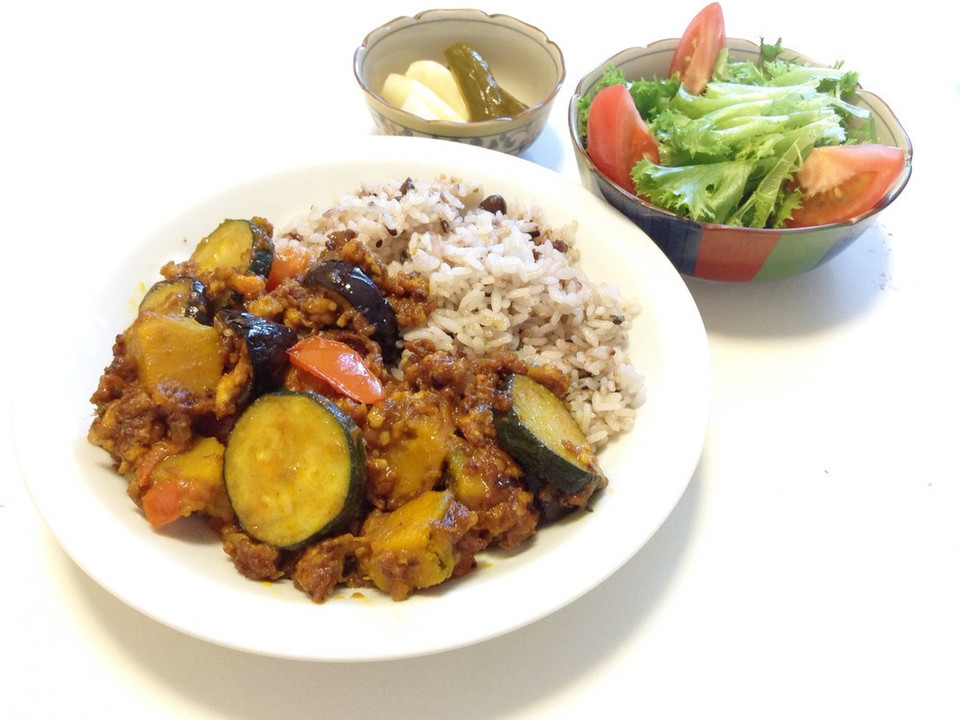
[724,252]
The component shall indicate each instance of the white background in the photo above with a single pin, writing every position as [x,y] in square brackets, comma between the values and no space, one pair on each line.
[809,571]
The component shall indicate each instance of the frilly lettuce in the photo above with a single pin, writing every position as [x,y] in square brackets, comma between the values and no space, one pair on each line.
[727,156]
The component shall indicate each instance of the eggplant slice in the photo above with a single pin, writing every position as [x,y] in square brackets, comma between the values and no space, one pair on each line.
[357,289]
[267,343]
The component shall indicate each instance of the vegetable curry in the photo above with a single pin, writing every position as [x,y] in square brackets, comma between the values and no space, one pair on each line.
[268,391]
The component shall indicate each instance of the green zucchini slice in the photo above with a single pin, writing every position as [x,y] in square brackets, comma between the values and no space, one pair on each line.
[242,245]
[544,438]
[180,296]
[294,468]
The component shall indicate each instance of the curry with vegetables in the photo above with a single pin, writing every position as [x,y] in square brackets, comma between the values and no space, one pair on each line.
[270,392]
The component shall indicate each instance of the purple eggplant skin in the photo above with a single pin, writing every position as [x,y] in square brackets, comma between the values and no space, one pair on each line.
[267,344]
[356,288]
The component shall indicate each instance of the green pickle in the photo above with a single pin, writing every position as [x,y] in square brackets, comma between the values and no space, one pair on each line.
[484,97]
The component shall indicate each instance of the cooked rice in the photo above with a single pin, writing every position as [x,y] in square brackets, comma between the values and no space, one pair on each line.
[499,287]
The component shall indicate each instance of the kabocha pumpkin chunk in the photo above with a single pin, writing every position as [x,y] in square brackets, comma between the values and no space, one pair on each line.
[294,467]
[188,482]
[487,480]
[245,246]
[539,431]
[415,546]
[175,354]
[414,431]
[464,480]
[183,296]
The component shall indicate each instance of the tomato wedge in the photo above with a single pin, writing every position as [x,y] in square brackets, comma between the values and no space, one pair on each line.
[288,262]
[161,504]
[339,365]
[840,182]
[617,137]
[696,54]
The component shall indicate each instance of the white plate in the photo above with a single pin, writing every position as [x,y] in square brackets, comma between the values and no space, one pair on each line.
[182,577]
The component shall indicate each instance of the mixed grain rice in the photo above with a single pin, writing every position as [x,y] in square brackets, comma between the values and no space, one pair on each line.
[504,279]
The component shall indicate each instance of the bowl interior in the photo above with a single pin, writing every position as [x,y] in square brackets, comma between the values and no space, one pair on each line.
[522,59]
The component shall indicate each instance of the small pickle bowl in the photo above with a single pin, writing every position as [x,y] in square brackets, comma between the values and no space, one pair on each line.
[522,59]
[722,252]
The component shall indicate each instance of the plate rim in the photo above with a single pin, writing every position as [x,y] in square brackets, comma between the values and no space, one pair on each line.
[425,152]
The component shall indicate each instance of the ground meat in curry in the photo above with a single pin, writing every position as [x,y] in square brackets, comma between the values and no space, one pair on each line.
[431,439]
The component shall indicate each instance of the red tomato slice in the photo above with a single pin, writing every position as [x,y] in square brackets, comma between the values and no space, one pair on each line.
[617,137]
[339,365]
[287,263]
[700,45]
[840,182]
[161,504]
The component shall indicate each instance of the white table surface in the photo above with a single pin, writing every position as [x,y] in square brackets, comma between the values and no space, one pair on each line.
[811,568]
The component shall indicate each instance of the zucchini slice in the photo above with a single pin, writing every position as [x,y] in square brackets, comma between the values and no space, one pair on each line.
[544,438]
[294,467]
[245,246]
[181,296]
[358,290]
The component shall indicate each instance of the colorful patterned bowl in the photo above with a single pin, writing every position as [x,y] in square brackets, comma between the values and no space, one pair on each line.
[721,252]
[521,57]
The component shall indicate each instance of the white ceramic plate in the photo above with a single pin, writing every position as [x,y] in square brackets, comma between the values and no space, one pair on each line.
[181,577]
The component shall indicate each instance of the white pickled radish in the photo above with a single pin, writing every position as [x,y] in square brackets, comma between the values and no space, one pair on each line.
[415,105]
[440,79]
[415,97]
